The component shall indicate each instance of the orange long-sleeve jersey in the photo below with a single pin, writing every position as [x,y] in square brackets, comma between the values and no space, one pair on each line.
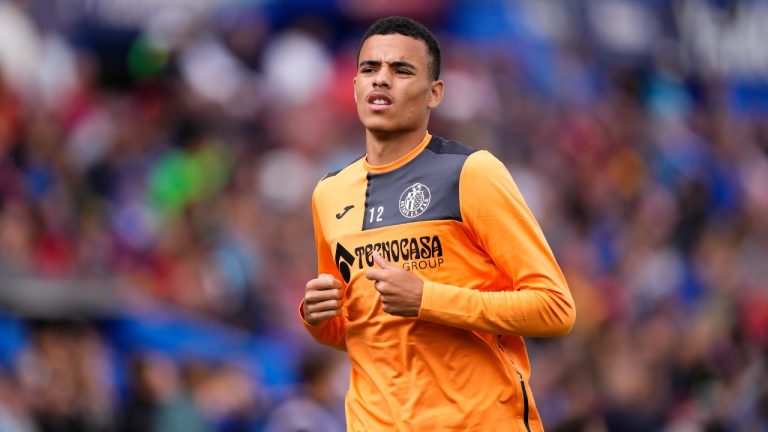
[454,217]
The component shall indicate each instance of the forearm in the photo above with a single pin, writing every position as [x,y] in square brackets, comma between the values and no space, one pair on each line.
[527,312]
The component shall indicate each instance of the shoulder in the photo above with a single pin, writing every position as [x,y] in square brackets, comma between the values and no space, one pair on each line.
[473,161]
[335,179]
[485,177]
[482,166]
[440,145]
[348,167]
[443,159]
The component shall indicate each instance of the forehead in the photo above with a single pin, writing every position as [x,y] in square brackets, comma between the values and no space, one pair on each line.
[394,47]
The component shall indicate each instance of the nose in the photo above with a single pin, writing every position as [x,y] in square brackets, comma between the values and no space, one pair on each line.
[382,78]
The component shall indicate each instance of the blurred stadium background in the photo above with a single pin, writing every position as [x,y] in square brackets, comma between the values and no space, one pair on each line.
[157,158]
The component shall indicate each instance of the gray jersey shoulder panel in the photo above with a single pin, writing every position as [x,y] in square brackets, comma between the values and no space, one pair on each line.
[424,189]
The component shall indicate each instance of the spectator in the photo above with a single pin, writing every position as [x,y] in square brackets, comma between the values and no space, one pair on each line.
[315,407]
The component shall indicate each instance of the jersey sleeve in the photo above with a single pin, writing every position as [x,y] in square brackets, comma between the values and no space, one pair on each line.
[330,332]
[537,301]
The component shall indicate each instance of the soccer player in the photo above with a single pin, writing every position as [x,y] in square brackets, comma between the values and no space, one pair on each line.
[431,268]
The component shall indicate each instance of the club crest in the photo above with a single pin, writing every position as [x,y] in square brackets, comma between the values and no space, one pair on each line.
[414,200]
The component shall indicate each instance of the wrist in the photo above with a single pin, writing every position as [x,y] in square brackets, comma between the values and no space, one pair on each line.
[303,313]
[426,292]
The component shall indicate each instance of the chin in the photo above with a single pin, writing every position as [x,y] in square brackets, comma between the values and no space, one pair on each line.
[378,126]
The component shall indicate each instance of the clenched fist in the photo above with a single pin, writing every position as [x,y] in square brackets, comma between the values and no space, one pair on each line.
[400,289]
[322,299]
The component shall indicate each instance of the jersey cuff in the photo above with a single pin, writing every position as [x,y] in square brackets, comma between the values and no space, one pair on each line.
[429,297]
[304,321]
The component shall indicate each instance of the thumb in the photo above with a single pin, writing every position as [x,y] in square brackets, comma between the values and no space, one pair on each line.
[380,261]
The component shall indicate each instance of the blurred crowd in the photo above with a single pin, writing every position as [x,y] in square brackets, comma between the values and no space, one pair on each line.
[157,160]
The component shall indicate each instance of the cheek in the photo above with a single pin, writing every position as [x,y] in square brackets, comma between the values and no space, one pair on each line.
[417,103]
[359,92]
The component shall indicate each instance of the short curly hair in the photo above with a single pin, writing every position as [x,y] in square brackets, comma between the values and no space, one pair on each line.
[411,28]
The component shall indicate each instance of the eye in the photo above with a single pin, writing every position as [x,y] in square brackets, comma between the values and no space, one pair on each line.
[366,70]
[404,72]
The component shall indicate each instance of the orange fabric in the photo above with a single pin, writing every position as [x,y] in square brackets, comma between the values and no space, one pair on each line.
[489,280]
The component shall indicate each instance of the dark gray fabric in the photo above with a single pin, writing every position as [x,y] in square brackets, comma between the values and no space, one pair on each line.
[426,188]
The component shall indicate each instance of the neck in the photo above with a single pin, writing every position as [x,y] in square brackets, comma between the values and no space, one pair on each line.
[383,148]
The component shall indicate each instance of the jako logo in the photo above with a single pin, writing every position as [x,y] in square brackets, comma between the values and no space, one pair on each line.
[344,260]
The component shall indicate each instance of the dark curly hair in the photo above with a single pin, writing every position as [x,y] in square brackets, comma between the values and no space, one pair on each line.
[411,28]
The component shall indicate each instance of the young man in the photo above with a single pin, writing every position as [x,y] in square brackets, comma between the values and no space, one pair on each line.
[431,266]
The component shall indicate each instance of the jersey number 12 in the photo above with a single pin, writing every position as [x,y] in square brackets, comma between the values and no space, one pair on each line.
[377,211]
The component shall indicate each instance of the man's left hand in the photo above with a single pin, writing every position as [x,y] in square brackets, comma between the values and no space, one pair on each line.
[400,289]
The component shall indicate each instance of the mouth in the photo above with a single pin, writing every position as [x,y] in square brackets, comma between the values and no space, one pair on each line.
[378,101]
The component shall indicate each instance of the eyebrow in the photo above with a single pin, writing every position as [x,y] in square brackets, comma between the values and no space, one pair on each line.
[395,64]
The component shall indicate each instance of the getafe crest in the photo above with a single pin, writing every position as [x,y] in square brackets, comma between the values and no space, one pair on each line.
[414,200]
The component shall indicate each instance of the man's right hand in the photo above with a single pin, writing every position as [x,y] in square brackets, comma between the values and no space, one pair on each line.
[322,299]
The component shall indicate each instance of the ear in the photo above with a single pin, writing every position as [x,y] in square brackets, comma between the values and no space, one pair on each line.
[354,89]
[435,94]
